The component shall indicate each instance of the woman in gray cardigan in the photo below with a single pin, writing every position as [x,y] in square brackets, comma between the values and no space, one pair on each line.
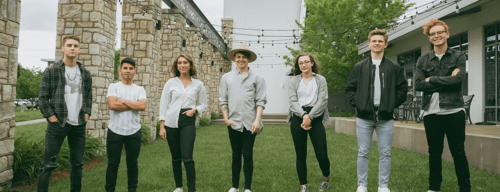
[308,97]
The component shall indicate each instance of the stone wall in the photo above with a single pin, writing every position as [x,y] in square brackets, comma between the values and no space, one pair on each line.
[141,42]
[94,22]
[180,38]
[10,16]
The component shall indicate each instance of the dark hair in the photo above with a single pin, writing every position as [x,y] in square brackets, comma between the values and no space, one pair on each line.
[296,67]
[129,61]
[192,69]
[244,53]
[69,37]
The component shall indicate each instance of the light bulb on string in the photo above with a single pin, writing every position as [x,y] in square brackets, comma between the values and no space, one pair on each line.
[249,43]
[457,8]
[272,66]
[262,32]
[258,40]
[273,43]
[412,20]
[286,45]
[263,45]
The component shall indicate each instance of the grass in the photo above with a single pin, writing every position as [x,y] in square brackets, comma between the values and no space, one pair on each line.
[27,114]
[274,166]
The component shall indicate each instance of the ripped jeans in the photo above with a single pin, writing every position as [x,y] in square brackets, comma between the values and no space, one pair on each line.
[54,137]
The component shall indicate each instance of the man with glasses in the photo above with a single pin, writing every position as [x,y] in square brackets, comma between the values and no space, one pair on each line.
[439,75]
[66,101]
[375,87]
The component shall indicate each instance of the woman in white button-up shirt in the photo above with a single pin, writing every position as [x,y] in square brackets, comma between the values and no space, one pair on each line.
[308,97]
[178,106]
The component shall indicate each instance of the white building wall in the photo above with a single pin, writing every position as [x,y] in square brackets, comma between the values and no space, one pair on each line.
[266,14]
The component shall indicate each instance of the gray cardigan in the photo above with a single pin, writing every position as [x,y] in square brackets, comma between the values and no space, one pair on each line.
[321,106]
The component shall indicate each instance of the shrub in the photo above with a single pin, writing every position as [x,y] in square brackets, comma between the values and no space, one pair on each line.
[28,155]
[214,115]
[339,113]
[158,129]
[145,133]
[204,121]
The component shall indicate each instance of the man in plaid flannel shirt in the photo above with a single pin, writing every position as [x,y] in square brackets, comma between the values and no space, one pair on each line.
[66,101]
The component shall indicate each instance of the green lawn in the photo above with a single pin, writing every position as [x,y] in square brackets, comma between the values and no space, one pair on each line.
[27,114]
[274,162]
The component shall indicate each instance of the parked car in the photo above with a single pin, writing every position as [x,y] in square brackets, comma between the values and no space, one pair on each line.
[15,102]
[22,102]
[32,103]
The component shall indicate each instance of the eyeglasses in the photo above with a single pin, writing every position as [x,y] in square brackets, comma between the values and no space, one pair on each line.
[304,63]
[439,33]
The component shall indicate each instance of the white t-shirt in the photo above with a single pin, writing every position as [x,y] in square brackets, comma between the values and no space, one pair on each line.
[376,92]
[434,103]
[308,95]
[73,93]
[125,122]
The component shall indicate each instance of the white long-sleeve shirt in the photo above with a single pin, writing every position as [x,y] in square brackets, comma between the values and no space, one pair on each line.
[175,97]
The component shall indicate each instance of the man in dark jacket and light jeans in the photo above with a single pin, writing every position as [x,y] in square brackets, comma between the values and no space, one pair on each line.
[439,75]
[66,101]
[375,87]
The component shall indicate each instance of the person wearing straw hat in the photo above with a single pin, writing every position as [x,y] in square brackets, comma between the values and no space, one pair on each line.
[242,96]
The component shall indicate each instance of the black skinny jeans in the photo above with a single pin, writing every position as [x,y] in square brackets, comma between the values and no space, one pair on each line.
[181,144]
[54,137]
[318,139]
[242,144]
[453,126]
[114,144]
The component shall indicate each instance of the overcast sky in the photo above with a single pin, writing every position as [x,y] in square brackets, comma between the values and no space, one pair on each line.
[39,20]
[38,28]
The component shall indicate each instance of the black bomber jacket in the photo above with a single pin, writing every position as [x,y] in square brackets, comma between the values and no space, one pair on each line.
[360,88]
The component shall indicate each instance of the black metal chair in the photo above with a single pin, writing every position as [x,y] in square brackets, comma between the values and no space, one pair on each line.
[467,102]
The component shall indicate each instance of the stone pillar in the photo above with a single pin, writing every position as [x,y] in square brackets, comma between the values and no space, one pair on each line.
[141,42]
[94,22]
[10,16]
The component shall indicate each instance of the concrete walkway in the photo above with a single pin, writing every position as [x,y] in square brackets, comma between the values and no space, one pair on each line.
[30,122]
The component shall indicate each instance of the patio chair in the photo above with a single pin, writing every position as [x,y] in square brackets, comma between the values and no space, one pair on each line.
[467,102]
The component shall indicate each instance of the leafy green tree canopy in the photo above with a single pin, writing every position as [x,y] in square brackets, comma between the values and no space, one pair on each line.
[333,28]
[28,82]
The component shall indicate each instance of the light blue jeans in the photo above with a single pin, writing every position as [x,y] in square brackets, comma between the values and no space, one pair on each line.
[385,131]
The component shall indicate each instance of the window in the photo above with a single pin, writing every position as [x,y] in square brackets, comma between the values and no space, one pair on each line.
[408,61]
[460,42]
[492,72]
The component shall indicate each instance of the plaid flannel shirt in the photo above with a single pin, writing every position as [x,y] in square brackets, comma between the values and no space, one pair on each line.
[51,95]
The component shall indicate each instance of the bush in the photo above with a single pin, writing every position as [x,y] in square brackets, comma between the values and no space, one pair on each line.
[158,129]
[214,115]
[204,121]
[339,113]
[28,155]
[145,133]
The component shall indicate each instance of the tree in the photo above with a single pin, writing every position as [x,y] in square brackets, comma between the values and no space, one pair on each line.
[117,63]
[28,82]
[333,28]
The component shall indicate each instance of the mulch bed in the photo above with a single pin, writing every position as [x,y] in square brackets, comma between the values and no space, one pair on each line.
[30,185]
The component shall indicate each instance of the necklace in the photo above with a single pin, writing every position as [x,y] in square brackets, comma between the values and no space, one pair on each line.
[76,73]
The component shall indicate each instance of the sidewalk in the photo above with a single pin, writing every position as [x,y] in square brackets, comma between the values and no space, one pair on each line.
[30,122]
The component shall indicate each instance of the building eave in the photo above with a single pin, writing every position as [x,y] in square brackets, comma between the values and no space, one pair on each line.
[406,27]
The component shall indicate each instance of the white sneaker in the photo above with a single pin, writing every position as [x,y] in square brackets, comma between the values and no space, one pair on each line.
[178,190]
[433,191]
[234,190]
[383,189]
[247,190]
[362,189]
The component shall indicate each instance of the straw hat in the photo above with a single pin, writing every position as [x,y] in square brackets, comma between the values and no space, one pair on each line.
[244,48]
